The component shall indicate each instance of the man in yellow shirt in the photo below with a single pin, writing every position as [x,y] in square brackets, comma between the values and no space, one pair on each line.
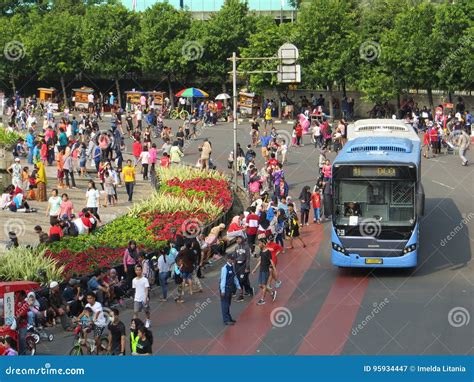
[128,174]
[268,117]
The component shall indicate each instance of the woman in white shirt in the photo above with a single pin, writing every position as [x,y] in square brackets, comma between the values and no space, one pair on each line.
[145,160]
[92,200]
[165,265]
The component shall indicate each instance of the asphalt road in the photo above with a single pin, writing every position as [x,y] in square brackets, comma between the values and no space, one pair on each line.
[324,310]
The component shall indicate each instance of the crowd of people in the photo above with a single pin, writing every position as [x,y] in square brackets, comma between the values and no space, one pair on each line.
[260,232]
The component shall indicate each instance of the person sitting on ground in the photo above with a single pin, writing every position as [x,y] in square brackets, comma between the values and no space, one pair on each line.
[57,306]
[42,236]
[55,232]
[97,285]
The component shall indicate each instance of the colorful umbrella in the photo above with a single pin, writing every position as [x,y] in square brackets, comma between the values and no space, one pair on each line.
[192,92]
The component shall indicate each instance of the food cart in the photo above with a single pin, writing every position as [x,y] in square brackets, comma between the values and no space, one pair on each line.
[249,104]
[47,94]
[80,99]
[133,98]
[8,295]
[159,99]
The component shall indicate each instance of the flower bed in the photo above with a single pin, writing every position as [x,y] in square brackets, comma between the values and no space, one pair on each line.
[187,200]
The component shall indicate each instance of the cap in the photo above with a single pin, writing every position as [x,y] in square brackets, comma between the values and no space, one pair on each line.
[17,159]
[53,284]
[231,256]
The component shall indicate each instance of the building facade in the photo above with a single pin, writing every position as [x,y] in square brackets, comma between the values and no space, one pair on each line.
[202,9]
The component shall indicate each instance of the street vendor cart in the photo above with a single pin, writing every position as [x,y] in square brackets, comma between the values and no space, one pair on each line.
[47,94]
[80,98]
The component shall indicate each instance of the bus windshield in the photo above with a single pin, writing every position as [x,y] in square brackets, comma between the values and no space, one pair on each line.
[389,202]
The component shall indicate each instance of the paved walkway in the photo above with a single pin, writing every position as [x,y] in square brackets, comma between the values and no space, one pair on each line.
[23,224]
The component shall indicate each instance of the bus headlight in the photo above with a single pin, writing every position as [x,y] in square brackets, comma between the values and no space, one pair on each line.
[409,249]
[338,248]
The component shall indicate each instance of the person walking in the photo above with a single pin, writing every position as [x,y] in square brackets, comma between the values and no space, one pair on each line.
[54,207]
[316,204]
[141,300]
[229,284]
[68,168]
[264,262]
[175,154]
[116,335]
[305,200]
[206,151]
[463,142]
[293,226]
[130,257]
[165,265]
[242,267]
[128,174]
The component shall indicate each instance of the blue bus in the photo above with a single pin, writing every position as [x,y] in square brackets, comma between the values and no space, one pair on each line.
[378,197]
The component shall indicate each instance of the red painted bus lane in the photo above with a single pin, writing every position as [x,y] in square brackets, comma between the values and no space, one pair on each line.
[331,327]
[254,322]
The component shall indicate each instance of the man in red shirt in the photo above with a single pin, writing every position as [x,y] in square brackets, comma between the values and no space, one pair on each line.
[251,224]
[316,203]
[275,249]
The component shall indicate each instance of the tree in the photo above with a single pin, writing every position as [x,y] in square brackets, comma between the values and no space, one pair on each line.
[410,50]
[107,50]
[14,55]
[226,32]
[264,42]
[162,36]
[455,41]
[327,39]
[378,82]
[54,42]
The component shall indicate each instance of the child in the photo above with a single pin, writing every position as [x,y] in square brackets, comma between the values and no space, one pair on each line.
[165,161]
[316,203]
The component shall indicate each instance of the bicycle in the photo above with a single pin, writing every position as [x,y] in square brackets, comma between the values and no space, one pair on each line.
[175,114]
[81,342]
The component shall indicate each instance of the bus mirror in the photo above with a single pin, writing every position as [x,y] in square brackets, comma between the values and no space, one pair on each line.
[420,200]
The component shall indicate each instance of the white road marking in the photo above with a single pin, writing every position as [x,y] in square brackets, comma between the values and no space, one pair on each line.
[442,184]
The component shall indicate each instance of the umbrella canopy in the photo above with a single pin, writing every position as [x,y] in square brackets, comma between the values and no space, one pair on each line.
[192,92]
[223,96]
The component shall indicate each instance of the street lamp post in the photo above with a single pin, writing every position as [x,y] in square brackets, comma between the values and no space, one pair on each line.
[287,56]
[234,114]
